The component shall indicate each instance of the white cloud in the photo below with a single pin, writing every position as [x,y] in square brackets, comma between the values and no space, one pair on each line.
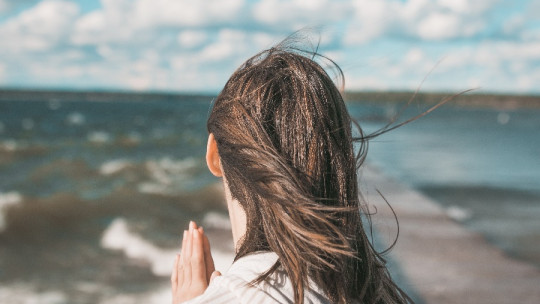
[4,5]
[438,26]
[263,40]
[354,82]
[208,68]
[497,56]
[503,66]
[196,45]
[493,66]
[423,19]
[122,21]
[371,19]
[192,38]
[229,43]
[466,6]
[136,52]
[2,71]
[186,12]
[295,14]
[39,28]
[229,46]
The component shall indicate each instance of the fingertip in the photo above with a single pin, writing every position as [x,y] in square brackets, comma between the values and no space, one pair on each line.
[192,225]
[214,275]
[197,234]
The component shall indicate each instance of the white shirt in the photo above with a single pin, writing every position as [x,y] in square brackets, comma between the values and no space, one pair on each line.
[232,286]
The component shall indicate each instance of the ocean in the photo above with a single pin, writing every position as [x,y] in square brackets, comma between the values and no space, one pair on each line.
[95,192]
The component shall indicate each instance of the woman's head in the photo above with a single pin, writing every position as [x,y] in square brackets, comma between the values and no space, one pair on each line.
[281,113]
[284,139]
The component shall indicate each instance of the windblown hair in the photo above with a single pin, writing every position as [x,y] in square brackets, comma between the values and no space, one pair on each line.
[285,142]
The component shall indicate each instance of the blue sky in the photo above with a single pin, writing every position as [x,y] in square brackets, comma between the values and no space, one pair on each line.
[194,45]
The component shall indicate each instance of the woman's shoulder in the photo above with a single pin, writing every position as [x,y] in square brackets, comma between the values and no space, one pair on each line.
[276,289]
[250,266]
[234,286]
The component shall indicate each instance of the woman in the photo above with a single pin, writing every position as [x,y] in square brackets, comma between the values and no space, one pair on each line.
[280,136]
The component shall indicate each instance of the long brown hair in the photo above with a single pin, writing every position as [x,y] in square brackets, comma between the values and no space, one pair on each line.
[285,142]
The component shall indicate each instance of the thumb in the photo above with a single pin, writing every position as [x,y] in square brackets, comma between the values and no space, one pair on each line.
[214,275]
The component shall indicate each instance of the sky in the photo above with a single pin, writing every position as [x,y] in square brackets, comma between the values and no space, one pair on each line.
[195,45]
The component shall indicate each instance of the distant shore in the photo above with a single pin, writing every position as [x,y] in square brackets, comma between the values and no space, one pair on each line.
[499,101]
[95,96]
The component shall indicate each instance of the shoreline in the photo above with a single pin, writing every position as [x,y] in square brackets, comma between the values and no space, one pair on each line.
[441,260]
[472,99]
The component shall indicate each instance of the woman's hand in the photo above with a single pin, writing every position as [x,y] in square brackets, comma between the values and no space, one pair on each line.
[193,267]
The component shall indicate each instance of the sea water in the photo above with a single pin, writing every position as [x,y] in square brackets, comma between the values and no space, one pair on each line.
[94,195]
[481,164]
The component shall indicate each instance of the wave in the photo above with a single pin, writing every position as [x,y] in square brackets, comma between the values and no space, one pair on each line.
[12,150]
[99,137]
[163,176]
[216,220]
[168,176]
[457,213]
[162,295]
[113,166]
[75,119]
[27,294]
[119,237]
[166,169]
[7,200]
[27,124]
[9,145]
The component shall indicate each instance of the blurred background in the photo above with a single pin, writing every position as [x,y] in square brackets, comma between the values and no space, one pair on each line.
[103,106]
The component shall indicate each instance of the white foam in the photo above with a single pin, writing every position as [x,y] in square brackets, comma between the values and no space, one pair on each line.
[54,104]
[134,137]
[167,175]
[9,145]
[7,200]
[27,123]
[503,118]
[118,237]
[458,213]
[90,287]
[159,296]
[76,119]
[166,169]
[99,137]
[216,220]
[113,166]
[152,188]
[25,294]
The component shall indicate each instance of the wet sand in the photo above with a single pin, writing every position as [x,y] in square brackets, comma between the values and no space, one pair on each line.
[441,260]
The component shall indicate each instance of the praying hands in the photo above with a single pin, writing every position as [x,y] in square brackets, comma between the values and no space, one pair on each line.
[194,267]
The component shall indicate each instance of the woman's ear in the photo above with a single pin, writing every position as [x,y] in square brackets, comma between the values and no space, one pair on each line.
[212,157]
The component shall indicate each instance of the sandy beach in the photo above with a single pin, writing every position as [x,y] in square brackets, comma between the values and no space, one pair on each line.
[444,262]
